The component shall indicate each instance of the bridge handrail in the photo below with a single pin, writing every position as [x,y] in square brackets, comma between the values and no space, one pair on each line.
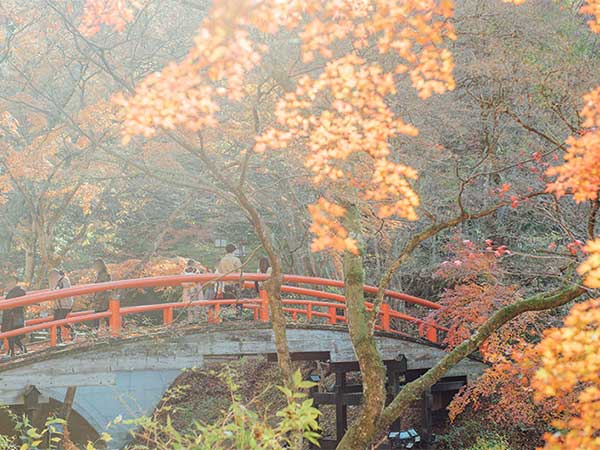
[255,304]
[259,306]
[175,280]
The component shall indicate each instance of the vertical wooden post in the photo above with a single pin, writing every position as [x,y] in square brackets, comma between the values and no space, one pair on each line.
[114,320]
[332,315]
[67,407]
[309,312]
[168,316]
[341,410]
[264,305]
[385,316]
[53,336]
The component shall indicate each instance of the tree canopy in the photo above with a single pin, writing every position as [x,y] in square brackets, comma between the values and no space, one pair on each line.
[448,149]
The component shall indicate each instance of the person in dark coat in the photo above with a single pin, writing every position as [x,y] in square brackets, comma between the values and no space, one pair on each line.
[14,318]
[101,299]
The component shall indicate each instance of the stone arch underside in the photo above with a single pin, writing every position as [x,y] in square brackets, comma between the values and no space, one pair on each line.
[128,376]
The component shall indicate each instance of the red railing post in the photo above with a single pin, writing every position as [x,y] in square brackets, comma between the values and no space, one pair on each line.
[264,305]
[332,315]
[385,316]
[212,316]
[168,316]
[6,343]
[432,334]
[114,321]
[53,336]
[309,312]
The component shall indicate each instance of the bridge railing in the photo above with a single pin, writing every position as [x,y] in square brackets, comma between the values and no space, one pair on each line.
[330,306]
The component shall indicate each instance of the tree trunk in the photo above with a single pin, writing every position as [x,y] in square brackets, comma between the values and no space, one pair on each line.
[278,323]
[273,288]
[30,252]
[362,431]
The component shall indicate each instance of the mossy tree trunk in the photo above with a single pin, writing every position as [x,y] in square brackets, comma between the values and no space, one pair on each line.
[364,428]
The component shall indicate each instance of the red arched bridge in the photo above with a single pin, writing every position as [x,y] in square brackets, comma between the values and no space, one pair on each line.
[306,298]
[127,373]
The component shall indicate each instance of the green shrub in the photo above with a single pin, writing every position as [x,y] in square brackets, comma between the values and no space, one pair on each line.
[496,442]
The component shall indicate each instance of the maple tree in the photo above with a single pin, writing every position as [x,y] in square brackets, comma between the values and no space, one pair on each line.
[346,144]
[329,139]
[251,118]
[480,289]
[561,370]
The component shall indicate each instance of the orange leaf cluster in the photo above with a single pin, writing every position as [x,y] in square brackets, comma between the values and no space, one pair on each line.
[86,194]
[35,160]
[592,7]
[389,187]
[467,306]
[505,395]
[413,30]
[590,268]
[357,120]
[185,93]
[470,261]
[113,13]
[477,292]
[580,174]
[571,368]
[350,94]
[330,234]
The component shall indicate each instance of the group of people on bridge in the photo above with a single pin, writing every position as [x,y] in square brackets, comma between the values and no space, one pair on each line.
[14,318]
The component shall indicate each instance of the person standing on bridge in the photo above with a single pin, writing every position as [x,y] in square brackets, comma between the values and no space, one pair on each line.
[264,266]
[193,291]
[101,299]
[57,279]
[230,264]
[14,318]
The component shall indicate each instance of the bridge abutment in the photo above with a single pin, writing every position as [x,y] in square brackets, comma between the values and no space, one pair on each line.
[128,376]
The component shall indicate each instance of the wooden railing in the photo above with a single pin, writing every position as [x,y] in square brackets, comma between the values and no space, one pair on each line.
[329,307]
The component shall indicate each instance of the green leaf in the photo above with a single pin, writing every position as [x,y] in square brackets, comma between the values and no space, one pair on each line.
[105,437]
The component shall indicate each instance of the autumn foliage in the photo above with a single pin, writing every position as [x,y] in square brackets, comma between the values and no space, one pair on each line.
[339,121]
[111,13]
[578,175]
[504,393]
[339,118]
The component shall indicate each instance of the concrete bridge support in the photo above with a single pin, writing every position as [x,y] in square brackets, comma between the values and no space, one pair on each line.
[127,377]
